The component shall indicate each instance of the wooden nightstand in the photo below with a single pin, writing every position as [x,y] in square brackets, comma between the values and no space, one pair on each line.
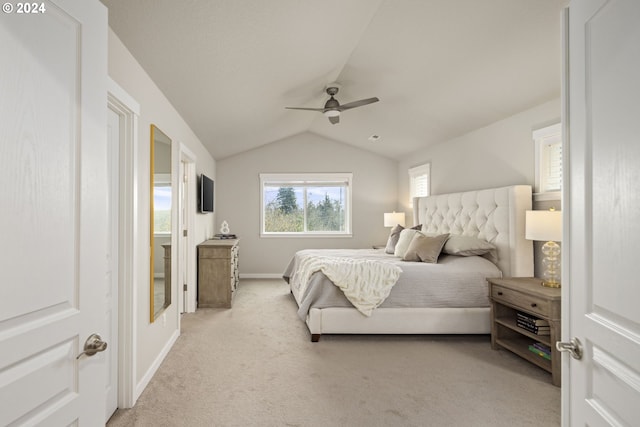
[527,295]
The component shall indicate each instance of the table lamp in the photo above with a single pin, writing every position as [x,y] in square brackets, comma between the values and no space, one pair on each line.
[393,219]
[547,226]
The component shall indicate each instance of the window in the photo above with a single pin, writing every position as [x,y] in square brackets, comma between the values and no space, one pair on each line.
[162,204]
[305,204]
[419,181]
[548,148]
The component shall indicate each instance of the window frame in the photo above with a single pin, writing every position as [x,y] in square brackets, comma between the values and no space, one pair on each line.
[542,138]
[415,172]
[314,179]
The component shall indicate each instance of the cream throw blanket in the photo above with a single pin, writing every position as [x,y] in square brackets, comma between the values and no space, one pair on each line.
[365,283]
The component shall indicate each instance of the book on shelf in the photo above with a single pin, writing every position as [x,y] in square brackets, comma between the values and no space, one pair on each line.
[534,321]
[538,330]
[542,347]
[539,352]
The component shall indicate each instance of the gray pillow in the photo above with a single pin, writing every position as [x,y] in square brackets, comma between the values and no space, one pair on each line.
[392,241]
[425,248]
[470,246]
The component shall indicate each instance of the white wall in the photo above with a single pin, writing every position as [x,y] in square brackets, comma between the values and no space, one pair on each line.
[238,197]
[497,155]
[155,108]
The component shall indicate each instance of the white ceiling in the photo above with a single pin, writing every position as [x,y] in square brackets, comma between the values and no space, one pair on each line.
[441,68]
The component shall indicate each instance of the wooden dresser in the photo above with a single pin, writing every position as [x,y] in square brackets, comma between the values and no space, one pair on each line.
[217,272]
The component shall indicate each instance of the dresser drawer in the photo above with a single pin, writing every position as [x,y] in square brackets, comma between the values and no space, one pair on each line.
[214,252]
[526,302]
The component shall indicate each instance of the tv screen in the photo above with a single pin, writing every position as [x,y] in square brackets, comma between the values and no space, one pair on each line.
[206,194]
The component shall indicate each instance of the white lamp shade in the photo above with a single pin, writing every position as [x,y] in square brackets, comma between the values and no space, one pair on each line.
[544,226]
[394,218]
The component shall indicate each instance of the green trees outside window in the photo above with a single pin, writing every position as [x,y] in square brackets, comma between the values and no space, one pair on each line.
[304,209]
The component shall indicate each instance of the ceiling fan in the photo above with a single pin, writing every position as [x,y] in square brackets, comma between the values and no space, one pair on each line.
[332,107]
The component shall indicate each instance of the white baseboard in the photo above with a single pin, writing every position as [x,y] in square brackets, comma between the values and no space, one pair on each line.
[261,276]
[144,382]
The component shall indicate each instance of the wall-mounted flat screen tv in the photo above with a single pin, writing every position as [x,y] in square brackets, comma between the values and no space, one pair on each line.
[206,194]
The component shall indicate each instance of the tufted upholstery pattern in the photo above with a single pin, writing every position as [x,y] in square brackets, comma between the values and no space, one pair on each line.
[495,215]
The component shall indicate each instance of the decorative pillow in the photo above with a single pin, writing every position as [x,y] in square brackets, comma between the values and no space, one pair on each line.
[404,240]
[469,246]
[425,248]
[392,241]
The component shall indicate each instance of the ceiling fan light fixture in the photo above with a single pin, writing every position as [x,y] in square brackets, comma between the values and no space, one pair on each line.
[332,107]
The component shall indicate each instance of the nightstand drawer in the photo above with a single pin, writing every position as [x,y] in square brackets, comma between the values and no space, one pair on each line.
[528,303]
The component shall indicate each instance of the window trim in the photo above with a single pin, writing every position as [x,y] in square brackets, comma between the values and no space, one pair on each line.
[540,136]
[300,179]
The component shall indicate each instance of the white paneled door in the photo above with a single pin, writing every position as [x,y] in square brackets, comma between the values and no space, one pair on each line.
[602,227]
[53,212]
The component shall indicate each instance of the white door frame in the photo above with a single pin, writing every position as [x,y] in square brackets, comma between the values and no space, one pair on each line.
[186,246]
[129,110]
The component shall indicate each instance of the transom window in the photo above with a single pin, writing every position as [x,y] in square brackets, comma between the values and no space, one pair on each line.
[305,204]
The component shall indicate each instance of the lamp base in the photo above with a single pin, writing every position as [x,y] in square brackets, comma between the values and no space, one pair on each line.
[550,261]
[550,284]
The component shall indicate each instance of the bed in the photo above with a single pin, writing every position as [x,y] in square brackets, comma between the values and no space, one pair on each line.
[447,297]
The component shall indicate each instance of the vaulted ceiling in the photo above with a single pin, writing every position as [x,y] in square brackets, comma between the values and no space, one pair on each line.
[441,68]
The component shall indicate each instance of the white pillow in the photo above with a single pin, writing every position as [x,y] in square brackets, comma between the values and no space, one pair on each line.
[404,241]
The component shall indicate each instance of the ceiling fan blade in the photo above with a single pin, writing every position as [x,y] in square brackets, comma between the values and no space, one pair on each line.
[334,120]
[355,104]
[307,109]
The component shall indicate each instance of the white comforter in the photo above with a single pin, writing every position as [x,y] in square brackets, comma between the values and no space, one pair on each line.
[365,283]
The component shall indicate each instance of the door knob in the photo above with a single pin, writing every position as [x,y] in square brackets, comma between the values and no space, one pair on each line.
[573,347]
[93,345]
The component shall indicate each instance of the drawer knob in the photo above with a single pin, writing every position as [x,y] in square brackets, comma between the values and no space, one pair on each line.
[533,304]
[499,293]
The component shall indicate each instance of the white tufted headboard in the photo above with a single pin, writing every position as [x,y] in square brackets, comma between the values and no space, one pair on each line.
[495,215]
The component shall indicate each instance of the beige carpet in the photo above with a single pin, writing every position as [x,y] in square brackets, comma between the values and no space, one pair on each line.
[254,365]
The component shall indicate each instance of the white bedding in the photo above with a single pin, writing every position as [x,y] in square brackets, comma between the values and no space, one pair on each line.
[453,282]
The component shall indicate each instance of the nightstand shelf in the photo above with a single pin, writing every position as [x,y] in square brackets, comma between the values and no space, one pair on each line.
[511,324]
[520,346]
[525,294]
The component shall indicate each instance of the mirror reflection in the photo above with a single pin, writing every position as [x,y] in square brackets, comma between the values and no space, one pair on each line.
[160,232]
